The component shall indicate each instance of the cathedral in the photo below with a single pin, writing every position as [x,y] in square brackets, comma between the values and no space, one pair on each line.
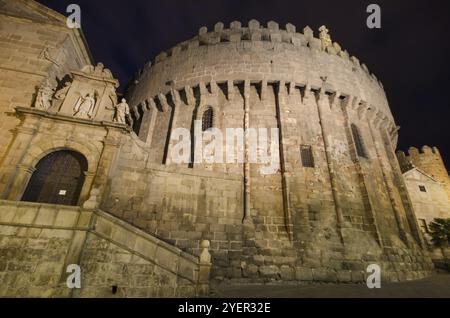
[93,178]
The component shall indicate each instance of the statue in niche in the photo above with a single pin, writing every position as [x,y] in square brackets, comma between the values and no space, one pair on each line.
[84,107]
[122,111]
[44,96]
[325,37]
[62,93]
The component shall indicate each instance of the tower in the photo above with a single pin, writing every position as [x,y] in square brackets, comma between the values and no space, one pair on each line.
[430,161]
[337,195]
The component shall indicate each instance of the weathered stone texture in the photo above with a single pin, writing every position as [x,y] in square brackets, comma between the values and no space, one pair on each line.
[327,222]
[35,46]
[38,242]
[428,160]
[347,209]
[428,185]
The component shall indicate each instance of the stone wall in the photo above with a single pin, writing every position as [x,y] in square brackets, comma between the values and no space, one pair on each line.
[428,160]
[181,207]
[40,133]
[184,206]
[431,201]
[39,241]
[299,223]
[428,185]
[257,54]
[321,223]
[35,46]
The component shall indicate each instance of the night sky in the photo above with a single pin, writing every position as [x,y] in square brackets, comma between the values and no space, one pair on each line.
[409,54]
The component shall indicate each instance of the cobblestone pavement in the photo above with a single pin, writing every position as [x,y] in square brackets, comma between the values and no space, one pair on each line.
[437,286]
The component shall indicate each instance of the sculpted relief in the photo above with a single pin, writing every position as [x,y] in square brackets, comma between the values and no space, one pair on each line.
[86,94]
[62,93]
[44,97]
[85,105]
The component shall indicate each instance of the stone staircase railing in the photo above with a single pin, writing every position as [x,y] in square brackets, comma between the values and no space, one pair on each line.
[39,241]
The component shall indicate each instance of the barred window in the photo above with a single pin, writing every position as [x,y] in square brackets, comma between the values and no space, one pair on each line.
[422,188]
[207,119]
[359,144]
[307,156]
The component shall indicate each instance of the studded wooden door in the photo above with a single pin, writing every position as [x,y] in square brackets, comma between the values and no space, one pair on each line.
[58,179]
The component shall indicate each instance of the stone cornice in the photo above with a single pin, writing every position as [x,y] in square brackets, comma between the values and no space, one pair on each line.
[35,112]
[97,78]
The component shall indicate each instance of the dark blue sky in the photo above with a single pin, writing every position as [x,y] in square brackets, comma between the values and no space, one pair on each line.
[409,54]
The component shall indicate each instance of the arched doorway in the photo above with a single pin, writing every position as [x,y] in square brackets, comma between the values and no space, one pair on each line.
[58,179]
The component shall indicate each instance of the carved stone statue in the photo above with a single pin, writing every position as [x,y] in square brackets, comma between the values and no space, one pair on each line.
[62,93]
[84,108]
[44,97]
[122,110]
[325,37]
[98,69]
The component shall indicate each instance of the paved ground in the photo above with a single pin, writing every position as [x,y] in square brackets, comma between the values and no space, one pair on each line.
[437,286]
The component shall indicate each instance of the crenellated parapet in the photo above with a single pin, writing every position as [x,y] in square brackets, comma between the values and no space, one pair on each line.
[259,54]
[255,32]
[429,160]
[424,151]
[419,157]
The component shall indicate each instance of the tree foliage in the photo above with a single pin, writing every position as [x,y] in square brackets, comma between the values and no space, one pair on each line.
[440,231]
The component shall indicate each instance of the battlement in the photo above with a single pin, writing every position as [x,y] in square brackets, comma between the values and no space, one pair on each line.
[429,160]
[256,33]
[423,151]
[426,158]
[259,55]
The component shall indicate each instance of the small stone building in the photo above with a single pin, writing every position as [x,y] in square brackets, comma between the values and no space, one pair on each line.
[90,180]
[428,185]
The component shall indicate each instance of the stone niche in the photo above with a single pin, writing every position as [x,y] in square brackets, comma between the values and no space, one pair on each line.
[89,94]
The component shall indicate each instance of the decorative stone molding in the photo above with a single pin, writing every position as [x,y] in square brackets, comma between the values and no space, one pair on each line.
[209,96]
[89,94]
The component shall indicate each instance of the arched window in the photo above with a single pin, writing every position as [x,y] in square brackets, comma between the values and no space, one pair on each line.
[207,119]
[58,179]
[359,143]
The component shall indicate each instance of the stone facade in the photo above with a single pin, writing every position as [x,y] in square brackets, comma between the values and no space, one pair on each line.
[41,57]
[300,223]
[35,47]
[39,241]
[428,185]
[427,195]
[324,222]
[429,160]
